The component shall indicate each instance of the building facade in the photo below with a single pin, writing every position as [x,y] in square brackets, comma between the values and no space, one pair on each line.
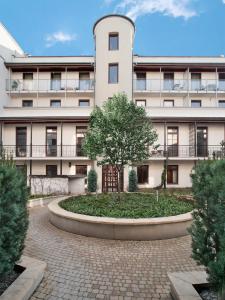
[46,103]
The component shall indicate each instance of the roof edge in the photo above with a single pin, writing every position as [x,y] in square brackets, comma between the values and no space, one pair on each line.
[113,15]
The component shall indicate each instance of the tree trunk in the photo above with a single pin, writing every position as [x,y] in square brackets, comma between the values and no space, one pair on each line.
[118,183]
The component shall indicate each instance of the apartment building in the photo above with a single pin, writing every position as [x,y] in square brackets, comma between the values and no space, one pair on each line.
[46,103]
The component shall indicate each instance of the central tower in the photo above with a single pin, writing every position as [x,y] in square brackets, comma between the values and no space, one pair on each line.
[114,36]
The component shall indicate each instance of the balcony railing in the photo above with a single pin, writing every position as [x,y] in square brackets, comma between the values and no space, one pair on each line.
[70,151]
[45,85]
[188,151]
[182,85]
[42,151]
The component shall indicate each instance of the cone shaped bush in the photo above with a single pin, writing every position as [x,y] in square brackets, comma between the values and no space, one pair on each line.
[132,181]
[92,181]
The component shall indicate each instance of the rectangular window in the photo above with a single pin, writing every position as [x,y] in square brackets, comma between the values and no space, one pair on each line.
[221,82]
[172,174]
[221,103]
[168,103]
[21,141]
[55,103]
[51,141]
[81,170]
[55,81]
[141,103]
[28,81]
[84,102]
[113,41]
[196,103]
[172,141]
[84,81]
[196,81]
[27,103]
[113,73]
[142,174]
[141,81]
[80,135]
[202,141]
[51,170]
[168,82]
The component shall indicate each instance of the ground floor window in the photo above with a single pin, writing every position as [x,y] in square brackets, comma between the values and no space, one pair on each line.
[51,170]
[142,174]
[172,174]
[81,170]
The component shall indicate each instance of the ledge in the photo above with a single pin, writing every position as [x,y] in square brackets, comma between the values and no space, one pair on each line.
[119,228]
[24,286]
[182,284]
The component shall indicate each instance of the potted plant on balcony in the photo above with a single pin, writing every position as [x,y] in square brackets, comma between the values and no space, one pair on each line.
[15,85]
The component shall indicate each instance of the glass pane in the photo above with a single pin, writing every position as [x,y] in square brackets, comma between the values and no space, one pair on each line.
[113,42]
[113,73]
[83,103]
[196,103]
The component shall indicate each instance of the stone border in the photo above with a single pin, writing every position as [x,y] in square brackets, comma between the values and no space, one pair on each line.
[40,201]
[181,284]
[24,286]
[119,228]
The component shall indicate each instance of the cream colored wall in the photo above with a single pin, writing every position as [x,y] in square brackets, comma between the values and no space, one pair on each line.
[43,101]
[123,57]
[184,171]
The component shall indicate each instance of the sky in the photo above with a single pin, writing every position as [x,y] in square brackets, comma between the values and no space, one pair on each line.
[163,27]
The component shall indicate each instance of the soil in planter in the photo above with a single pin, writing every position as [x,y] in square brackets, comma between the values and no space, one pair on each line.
[206,292]
[7,280]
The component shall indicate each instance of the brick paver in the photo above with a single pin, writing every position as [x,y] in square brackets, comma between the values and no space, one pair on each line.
[88,268]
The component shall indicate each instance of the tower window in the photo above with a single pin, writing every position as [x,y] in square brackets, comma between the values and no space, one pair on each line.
[113,41]
[113,73]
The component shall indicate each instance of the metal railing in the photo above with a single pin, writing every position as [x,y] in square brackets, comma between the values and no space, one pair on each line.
[42,151]
[46,85]
[188,151]
[170,151]
[179,85]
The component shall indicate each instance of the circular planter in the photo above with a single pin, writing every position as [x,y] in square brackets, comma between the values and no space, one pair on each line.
[142,229]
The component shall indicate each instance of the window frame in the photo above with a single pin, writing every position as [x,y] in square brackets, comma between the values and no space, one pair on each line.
[140,168]
[117,73]
[176,167]
[196,101]
[221,101]
[84,100]
[46,170]
[56,101]
[167,101]
[140,100]
[82,166]
[113,34]
[27,101]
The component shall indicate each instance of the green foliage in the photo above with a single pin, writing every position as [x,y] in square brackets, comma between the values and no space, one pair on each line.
[131,205]
[92,181]
[120,133]
[13,215]
[132,181]
[208,229]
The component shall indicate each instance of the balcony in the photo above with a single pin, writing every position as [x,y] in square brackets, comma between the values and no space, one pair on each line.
[49,86]
[43,151]
[188,151]
[179,86]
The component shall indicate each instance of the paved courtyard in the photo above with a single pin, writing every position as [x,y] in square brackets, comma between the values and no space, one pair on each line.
[88,268]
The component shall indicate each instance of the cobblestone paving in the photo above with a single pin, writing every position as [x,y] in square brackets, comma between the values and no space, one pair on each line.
[88,268]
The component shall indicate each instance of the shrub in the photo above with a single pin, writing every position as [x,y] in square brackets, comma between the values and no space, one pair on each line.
[13,215]
[132,181]
[208,229]
[92,181]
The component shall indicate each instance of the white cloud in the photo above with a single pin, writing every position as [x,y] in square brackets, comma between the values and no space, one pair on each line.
[224,1]
[59,37]
[174,8]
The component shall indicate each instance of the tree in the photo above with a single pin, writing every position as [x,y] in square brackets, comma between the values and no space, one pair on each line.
[13,215]
[92,181]
[132,181]
[208,228]
[120,134]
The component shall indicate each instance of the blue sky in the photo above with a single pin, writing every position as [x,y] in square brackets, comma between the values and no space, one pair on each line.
[163,27]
